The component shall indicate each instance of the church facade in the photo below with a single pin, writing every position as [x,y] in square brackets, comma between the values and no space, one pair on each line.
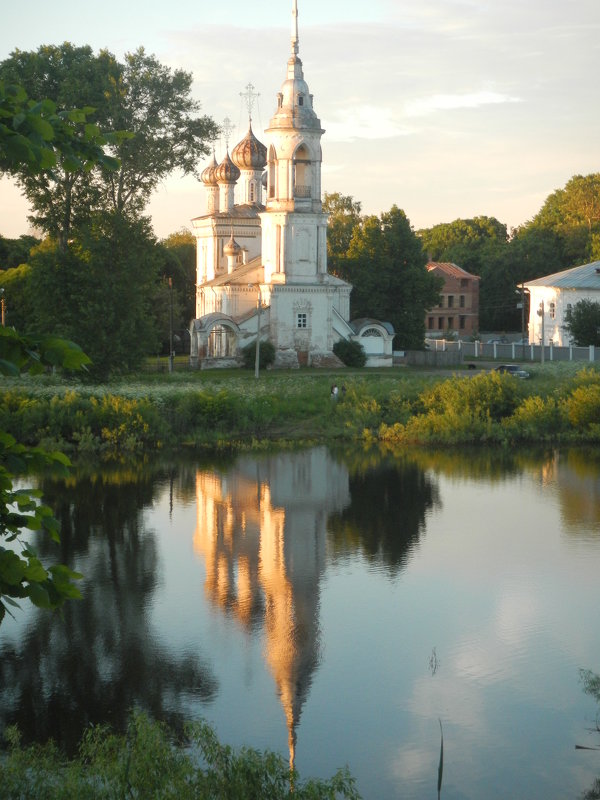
[262,262]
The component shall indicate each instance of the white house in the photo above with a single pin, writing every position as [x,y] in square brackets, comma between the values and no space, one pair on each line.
[262,269]
[551,297]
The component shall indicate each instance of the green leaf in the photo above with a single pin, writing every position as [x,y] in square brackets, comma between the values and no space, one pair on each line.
[34,571]
[39,596]
[11,568]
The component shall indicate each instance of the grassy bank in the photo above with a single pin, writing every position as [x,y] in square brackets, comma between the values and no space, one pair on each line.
[561,402]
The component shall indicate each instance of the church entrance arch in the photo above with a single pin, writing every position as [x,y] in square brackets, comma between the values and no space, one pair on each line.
[222,341]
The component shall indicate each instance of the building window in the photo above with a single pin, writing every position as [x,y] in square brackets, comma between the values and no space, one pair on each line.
[450,323]
[252,192]
[430,323]
[450,301]
[462,301]
[441,323]
[300,100]
[552,309]
[461,323]
[464,282]
[302,320]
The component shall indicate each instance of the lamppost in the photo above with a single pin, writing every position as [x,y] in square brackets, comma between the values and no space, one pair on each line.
[171,325]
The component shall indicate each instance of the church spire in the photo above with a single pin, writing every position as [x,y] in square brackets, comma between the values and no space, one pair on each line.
[295,39]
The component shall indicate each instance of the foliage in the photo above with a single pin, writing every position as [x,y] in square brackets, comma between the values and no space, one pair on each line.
[100,291]
[148,763]
[465,242]
[148,109]
[344,217]
[582,322]
[36,137]
[266,355]
[14,252]
[351,353]
[386,266]
[180,265]
[22,574]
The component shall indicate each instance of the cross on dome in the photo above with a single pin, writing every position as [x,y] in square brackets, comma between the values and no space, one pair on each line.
[250,96]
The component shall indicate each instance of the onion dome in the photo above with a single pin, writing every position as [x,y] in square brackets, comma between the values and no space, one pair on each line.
[227,172]
[232,248]
[250,153]
[208,176]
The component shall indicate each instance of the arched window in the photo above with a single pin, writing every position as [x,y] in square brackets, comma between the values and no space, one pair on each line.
[302,173]
[371,332]
[272,171]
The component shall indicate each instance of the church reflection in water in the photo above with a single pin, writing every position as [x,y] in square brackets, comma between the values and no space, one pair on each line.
[261,530]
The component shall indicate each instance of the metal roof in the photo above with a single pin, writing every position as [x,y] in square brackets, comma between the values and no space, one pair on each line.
[449,268]
[584,277]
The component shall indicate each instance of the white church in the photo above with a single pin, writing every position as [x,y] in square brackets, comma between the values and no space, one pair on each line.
[262,261]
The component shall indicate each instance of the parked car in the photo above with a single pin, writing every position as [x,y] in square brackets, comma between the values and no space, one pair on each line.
[512,369]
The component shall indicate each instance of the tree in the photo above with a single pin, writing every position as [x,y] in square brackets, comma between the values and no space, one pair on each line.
[22,574]
[181,267]
[573,213]
[465,242]
[344,217]
[50,152]
[582,321]
[34,137]
[386,266]
[14,252]
[148,101]
[101,291]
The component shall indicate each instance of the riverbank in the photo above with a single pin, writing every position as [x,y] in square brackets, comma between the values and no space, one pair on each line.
[560,402]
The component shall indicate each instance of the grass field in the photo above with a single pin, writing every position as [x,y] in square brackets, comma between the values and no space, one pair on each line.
[219,408]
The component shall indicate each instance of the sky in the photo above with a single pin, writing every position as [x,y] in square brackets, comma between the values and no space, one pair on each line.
[446,108]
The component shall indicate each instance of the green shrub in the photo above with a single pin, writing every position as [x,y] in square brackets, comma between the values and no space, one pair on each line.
[148,762]
[266,355]
[536,418]
[352,354]
[583,406]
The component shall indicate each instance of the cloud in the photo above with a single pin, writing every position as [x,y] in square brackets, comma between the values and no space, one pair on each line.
[363,122]
[423,106]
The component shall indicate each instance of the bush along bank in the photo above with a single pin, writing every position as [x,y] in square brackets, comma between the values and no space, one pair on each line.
[239,412]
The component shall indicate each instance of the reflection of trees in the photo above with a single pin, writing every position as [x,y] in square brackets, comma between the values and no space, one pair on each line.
[102,658]
[591,686]
[389,503]
[579,490]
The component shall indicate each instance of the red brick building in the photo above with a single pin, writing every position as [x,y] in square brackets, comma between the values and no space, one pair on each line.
[458,312]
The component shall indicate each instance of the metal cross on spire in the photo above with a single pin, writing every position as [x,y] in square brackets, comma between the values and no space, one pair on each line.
[250,96]
[227,128]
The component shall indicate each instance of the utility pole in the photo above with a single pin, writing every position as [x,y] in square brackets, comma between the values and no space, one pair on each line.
[541,314]
[3,304]
[257,352]
[171,325]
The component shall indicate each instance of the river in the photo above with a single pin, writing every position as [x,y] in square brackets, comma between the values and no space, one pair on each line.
[339,607]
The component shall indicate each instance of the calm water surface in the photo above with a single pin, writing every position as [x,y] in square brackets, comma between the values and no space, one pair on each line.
[335,607]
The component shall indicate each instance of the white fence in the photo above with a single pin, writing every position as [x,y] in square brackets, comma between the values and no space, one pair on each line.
[514,351]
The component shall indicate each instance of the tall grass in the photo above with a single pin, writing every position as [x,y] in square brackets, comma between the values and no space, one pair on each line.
[224,409]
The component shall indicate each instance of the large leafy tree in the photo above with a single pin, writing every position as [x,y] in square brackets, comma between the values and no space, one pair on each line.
[582,321]
[344,217]
[100,291]
[34,137]
[386,265]
[466,242]
[148,108]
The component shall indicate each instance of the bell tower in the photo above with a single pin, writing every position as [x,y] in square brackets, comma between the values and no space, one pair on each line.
[294,227]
